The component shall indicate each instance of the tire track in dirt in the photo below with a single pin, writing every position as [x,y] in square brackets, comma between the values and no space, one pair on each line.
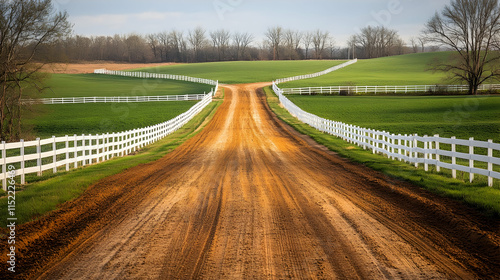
[250,198]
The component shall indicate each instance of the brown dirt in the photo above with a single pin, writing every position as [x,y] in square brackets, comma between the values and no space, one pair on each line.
[86,68]
[249,198]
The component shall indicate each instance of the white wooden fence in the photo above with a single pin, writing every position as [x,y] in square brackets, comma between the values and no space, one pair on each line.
[145,75]
[335,90]
[118,99]
[426,150]
[308,76]
[74,151]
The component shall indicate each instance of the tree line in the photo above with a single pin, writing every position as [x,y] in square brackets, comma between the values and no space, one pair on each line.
[200,45]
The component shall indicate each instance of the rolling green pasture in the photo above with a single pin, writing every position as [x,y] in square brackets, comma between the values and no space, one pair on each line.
[58,120]
[70,119]
[477,194]
[460,116]
[241,72]
[409,69]
[90,85]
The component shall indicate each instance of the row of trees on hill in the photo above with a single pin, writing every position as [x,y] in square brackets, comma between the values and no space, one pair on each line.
[200,45]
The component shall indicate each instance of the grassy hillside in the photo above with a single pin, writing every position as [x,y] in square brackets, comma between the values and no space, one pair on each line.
[69,119]
[409,69]
[89,85]
[460,116]
[245,71]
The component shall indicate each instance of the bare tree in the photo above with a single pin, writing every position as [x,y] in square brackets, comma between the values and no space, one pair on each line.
[275,37]
[220,39]
[197,40]
[307,40]
[320,39]
[292,42]
[24,27]
[472,29]
[241,43]
[378,41]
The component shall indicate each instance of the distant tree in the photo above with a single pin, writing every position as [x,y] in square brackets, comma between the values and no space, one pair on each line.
[320,40]
[307,41]
[220,39]
[241,43]
[378,41]
[25,25]
[197,40]
[472,29]
[275,37]
[292,41]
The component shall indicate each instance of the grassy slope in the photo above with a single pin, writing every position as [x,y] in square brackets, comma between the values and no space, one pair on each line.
[245,71]
[41,197]
[59,120]
[477,195]
[460,116]
[395,70]
[89,85]
[69,119]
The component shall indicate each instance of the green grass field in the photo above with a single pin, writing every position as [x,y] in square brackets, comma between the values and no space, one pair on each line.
[89,85]
[409,69]
[58,120]
[460,116]
[477,194]
[70,119]
[245,71]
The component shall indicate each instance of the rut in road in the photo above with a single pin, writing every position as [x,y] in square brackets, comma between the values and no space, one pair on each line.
[249,198]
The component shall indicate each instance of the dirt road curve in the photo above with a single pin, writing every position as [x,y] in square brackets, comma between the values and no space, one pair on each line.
[248,198]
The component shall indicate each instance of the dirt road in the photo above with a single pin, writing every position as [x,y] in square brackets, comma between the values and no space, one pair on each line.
[249,198]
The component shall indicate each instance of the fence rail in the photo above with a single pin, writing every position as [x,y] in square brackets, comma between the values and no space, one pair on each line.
[145,75]
[74,151]
[118,99]
[426,150]
[384,89]
[308,76]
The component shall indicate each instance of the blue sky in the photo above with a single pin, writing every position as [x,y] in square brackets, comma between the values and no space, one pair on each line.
[340,18]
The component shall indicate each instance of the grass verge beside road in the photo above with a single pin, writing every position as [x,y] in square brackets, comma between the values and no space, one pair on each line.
[36,199]
[477,194]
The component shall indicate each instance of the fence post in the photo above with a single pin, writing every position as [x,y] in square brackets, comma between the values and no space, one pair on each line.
[54,156]
[490,164]
[453,157]
[84,149]
[39,153]
[426,153]
[4,166]
[23,165]
[471,161]
[67,153]
[415,151]
[76,152]
[438,157]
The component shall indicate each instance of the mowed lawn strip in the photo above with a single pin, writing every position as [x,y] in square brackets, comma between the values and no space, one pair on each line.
[412,69]
[242,72]
[36,199]
[477,195]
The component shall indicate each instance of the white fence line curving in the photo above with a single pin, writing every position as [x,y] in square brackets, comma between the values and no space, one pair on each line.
[308,76]
[145,75]
[74,151]
[426,150]
[118,99]
[385,89]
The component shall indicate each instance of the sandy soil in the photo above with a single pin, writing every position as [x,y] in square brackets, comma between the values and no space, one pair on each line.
[249,198]
[85,68]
